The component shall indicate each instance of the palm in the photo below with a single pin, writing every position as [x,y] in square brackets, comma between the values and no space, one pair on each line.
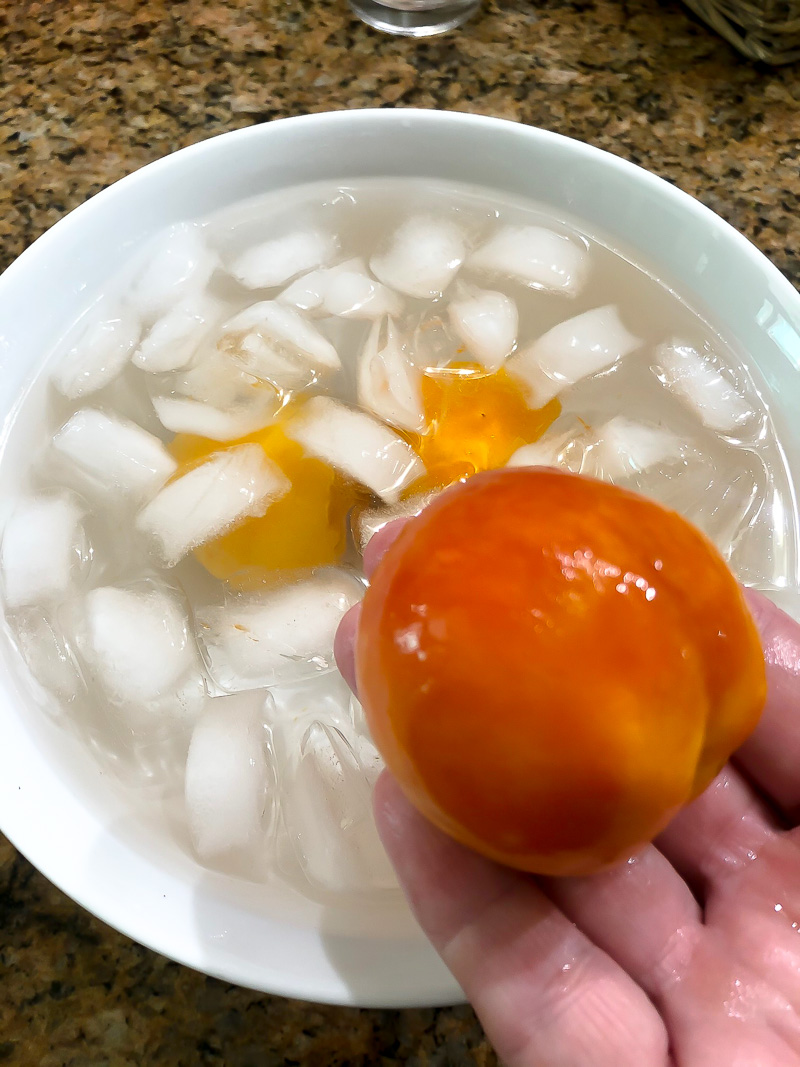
[686,956]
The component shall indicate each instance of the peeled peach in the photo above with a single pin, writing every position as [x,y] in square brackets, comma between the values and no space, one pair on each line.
[552,666]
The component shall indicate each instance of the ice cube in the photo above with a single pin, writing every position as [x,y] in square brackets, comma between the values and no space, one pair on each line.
[44,548]
[572,350]
[324,695]
[619,450]
[102,350]
[182,415]
[174,339]
[751,526]
[356,444]
[118,454]
[228,776]
[566,445]
[274,343]
[279,636]
[368,522]
[345,291]
[487,322]
[626,447]
[214,399]
[275,262]
[434,344]
[327,812]
[352,294]
[540,258]
[307,293]
[389,383]
[726,508]
[697,379]
[423,257]
[178,266]
[137,645]
[47,652]
[231,485]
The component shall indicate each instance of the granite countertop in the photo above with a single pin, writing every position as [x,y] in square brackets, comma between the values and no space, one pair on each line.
[90,91]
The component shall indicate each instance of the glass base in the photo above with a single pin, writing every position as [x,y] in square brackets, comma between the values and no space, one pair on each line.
[414,18]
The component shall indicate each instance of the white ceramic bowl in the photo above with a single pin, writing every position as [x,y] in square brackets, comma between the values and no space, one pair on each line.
[55,805]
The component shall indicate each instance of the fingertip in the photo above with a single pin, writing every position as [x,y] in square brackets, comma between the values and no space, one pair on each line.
[378,545]
[765,613]
[780,633]
[344,646]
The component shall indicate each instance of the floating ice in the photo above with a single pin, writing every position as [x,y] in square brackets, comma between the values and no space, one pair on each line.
[285,329]
[726,499]
[487,323]
[307,293]
[137,645]
[574,349]
[214,399]
[368,522]
[231,485]
[423,257]
[696,378]
[175,338]
[280,636]
[616,451]
[346,291]
[538,257]
[103,349]
[352,294]
[625,447]
[197,417]
[565,445]
[323,695]
[117,453]
[213,380]
[47,653]
[433,344]
[275,262]
[548,451]
[389,383]
[356,444]
[227,776]
[43,549]
[327,812]
[274,343]
[178,266]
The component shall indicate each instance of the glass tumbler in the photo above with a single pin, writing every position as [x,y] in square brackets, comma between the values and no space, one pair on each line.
[414,18]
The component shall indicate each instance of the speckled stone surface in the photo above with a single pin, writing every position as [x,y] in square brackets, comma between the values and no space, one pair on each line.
[91,90]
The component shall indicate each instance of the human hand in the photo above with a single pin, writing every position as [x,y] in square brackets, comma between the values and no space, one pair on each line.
[688,955]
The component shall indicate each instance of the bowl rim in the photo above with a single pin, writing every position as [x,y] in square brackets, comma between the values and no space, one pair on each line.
[401,115]
[66,876]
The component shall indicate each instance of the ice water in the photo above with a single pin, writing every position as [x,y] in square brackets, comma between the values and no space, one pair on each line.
[199,465]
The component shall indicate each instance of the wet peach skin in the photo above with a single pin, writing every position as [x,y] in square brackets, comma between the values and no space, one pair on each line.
[552,666]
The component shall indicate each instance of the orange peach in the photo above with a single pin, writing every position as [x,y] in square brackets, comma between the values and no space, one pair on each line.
[552,666]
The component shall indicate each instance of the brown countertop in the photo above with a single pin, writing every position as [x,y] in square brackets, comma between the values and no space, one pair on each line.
[90,91]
